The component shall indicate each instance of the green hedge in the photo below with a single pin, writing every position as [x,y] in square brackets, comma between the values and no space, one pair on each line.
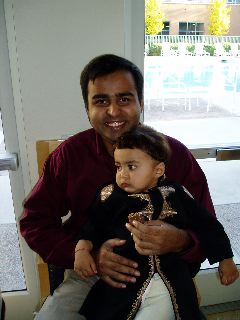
[156,48]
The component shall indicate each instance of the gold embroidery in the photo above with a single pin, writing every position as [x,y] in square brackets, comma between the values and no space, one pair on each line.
[167,210]
[106,192]
[169,287]
[137,302]
[148,210]
[153,261]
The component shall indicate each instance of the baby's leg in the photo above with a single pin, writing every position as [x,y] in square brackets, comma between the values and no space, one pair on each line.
[157,303]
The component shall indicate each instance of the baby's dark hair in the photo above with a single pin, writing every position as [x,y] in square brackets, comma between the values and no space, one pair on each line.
[148,140]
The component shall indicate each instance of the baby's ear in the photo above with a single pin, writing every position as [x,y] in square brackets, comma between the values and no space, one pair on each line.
[160,169]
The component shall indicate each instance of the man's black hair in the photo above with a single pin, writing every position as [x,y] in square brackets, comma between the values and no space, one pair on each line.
[148,140]
[106,64]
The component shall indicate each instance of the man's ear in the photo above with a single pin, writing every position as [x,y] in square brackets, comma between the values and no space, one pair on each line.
[160,169]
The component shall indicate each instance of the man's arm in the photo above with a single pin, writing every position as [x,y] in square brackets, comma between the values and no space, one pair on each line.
[41,223]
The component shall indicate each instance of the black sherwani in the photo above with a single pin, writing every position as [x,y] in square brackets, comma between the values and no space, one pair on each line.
[173,204]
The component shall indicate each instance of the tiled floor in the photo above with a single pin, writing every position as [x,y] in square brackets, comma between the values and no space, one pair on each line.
[11,272]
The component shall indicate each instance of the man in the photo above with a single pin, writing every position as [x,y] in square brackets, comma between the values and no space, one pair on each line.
[112,89]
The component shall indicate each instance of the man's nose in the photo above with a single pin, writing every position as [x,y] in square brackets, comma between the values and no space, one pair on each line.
[113,109]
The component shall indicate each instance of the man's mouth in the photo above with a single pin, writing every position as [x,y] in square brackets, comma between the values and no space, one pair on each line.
[115,124]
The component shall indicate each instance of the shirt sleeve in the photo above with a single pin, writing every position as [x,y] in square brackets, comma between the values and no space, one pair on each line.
[95,227]
[209,230]
[41,220]
[184,169]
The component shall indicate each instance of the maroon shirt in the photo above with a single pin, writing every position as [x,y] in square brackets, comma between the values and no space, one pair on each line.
[72,174]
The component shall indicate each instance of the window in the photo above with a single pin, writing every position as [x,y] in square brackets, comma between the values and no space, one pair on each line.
[166,29]
[233,1]
[191,28]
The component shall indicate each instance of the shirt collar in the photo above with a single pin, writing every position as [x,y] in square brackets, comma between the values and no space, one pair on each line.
[100,147]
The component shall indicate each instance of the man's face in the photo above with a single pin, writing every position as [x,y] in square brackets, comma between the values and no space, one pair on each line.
[113,106]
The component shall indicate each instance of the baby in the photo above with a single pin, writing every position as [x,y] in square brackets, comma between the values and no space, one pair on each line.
[142,193]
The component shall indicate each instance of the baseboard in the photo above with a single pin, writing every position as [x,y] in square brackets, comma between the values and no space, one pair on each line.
[222,307]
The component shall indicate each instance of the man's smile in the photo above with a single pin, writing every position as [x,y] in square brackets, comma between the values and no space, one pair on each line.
[115,124]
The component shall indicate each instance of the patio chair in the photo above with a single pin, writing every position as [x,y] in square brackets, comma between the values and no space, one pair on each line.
[152,86]
[175,90]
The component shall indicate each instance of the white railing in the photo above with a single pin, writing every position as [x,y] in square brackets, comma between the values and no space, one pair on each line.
[190,39]
[229,2]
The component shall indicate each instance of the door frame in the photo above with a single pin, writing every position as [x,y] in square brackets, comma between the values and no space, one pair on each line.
[19,304]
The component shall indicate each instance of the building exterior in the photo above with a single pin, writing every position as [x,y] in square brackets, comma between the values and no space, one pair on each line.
[192,17]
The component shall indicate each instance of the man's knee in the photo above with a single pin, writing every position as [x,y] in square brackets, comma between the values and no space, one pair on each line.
[67,299]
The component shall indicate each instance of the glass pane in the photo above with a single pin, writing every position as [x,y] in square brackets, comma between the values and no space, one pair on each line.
[196,99]
[11,270]
[165,30]
[224,183]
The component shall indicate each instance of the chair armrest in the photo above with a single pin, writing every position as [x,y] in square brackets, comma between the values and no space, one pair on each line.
[50,277]
[43,279]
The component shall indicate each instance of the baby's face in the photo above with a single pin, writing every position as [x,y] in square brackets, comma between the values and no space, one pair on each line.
[136,170]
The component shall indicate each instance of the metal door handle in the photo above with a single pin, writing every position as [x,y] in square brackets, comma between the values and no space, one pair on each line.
[8,161]
[228,154]
[219,153]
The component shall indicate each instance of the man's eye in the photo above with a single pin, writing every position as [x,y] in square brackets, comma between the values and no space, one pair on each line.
[100,101]
[118,168]
[124,100]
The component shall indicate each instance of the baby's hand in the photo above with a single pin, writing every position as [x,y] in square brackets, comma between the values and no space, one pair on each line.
[84,264]
[228,271]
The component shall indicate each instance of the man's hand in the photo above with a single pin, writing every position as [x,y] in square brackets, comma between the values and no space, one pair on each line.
[114,269]
[158,237]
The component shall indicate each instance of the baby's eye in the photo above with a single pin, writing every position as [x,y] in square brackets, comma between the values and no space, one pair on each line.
[132,167]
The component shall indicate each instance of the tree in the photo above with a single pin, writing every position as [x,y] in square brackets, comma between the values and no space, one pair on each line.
[153,17]
[219,18]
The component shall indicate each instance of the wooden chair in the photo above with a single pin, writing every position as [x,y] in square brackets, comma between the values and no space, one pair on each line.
[50,276]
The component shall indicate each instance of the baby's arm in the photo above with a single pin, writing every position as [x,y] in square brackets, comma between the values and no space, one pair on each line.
[228,271]
[84,264]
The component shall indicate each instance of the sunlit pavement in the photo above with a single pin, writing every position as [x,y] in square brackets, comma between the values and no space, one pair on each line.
[201,132]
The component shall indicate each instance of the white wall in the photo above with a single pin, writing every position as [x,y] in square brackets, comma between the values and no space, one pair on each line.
[50,41]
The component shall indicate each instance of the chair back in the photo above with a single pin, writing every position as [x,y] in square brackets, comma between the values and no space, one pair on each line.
[44,148]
